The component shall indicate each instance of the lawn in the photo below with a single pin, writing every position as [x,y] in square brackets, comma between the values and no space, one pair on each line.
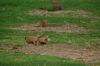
[84,13]
[8,58]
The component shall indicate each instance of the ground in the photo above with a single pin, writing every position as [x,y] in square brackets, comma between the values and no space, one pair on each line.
[60,50]
[56,28]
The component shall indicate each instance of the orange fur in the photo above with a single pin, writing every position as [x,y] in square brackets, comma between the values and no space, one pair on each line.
[56,6]
[43,40]
[32,39]
[36,40]
[44,23]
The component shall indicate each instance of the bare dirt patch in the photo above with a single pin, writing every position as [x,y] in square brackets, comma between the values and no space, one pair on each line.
[73,13]
[65,51]
[65,28]
[60,50]
[62,13]
[8,47]
[57,28]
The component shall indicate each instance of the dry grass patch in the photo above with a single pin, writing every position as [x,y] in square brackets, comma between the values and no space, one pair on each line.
[59,50]
[73,13]
[57,28]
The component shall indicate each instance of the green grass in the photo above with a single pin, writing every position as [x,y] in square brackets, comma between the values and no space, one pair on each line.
[8,58]
[17,37]
[14,13]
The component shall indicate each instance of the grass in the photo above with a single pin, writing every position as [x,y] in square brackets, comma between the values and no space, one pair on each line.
[8,58]
[90,39]
[14,13]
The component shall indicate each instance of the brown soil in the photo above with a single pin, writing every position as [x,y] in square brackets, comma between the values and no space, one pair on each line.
[62,13]
[57,28]
[60,50]
[65,28]
[73,13]
[64,51]
[5,46]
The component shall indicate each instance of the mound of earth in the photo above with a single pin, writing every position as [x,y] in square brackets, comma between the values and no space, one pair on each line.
[5,46]
[65,51]
[63,13]
[65,28]
[60,50]
[73,13]
[57,28]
